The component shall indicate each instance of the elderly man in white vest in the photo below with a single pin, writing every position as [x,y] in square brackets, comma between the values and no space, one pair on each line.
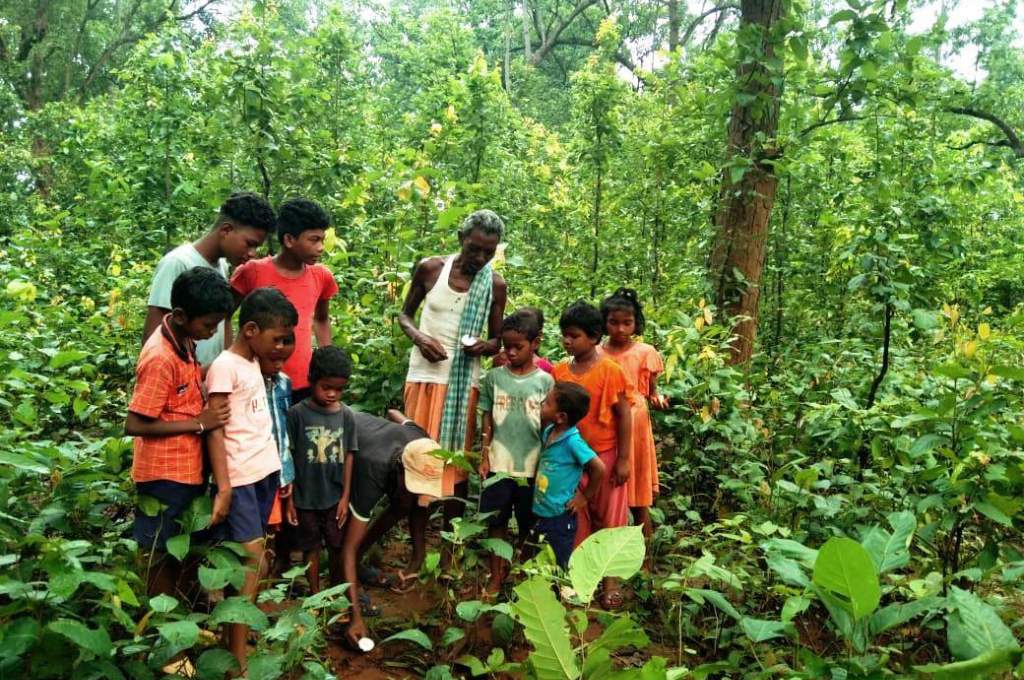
[463,302]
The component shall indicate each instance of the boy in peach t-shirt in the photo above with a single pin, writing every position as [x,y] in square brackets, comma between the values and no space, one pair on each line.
[243,453]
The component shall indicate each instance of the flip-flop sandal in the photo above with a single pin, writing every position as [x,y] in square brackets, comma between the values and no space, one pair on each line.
[406,582]
[367,607]
[612,600]
[375,578]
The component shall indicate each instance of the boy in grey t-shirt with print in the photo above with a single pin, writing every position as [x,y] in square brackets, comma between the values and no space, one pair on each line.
[510,400]
[322,432]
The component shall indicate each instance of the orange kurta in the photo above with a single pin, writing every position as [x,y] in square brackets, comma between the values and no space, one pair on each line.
[641,364]
[605,382]
[424,404]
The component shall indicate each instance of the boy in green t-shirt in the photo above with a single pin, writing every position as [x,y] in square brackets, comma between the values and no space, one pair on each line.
[510,400]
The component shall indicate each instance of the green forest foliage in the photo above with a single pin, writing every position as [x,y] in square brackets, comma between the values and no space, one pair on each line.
[831,509]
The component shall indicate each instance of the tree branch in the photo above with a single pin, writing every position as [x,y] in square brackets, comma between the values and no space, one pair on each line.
[1005,143]
[832,121]
[131,37]
[1013,140]
[553,36]
[700,19]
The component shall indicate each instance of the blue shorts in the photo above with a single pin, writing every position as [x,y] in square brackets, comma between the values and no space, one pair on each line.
[153,532]
[505,496]
[560,533]
[248,517]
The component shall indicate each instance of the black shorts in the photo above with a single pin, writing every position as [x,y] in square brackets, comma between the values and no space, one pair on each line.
[505,496]
[175,498]
[318,528]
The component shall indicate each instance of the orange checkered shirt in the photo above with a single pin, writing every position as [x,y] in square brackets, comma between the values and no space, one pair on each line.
[168,386]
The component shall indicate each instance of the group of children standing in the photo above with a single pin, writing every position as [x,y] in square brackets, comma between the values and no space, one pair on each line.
[580,437]
[265,418]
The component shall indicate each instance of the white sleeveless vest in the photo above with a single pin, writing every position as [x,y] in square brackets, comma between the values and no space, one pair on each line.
[442,311]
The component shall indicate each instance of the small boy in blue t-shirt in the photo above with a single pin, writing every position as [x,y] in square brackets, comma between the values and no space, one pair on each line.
[563,460]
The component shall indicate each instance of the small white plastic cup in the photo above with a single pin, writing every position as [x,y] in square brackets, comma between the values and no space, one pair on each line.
[366,644]
[468,341]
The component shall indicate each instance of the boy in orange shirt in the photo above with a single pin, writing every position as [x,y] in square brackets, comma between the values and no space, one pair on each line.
[168,414]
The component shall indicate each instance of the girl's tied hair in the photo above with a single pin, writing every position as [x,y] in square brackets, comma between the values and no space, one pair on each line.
[627,300]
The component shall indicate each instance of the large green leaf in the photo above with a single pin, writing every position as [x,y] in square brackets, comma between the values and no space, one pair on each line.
[844,570]
[615,552]
[791,549]
[238,610]
[975,627]
[181,634]
[95,640]
[622,632]
[891,550]
[760,630]
[987,665]
[700,595]
[414,635]
[543,620]
[894,615]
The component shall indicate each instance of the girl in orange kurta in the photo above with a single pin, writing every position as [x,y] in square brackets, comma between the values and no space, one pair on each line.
[606,427]
[624,319]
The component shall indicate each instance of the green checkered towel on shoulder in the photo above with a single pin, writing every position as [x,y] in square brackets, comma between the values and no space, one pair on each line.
[460,380]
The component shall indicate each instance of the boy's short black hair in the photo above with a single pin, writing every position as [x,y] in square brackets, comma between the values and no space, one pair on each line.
[200,291]
[573,400]
[585,316]
[522,321]
[625,299]
[297,215]
[247,209]
[329,362]
[538,313]
[267,308]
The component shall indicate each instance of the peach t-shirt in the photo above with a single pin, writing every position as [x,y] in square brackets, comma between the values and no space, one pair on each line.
[248,435]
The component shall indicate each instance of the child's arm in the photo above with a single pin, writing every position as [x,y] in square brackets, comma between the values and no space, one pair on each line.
[595,473]
[624,430]
[290,514]
[485,446]
[219,463]
[346,492]
[211,418]
[322,323]
[658,401]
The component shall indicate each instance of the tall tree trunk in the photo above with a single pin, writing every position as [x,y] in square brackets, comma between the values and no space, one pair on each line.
[741,222]
[527,20]
[673,25]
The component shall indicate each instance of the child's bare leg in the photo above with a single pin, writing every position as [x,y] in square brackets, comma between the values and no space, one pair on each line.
[312,558]
[418,533]
[162,574]
[642,518]
[238,633]
[498,565]
[334,568]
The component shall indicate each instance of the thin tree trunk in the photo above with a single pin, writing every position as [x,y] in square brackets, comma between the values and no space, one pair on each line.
[597,229]
[673,25]
[737,255]
[506,64]
[780,264]
[527,18]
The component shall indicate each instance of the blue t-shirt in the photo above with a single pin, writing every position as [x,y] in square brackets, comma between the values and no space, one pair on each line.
[559,471]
